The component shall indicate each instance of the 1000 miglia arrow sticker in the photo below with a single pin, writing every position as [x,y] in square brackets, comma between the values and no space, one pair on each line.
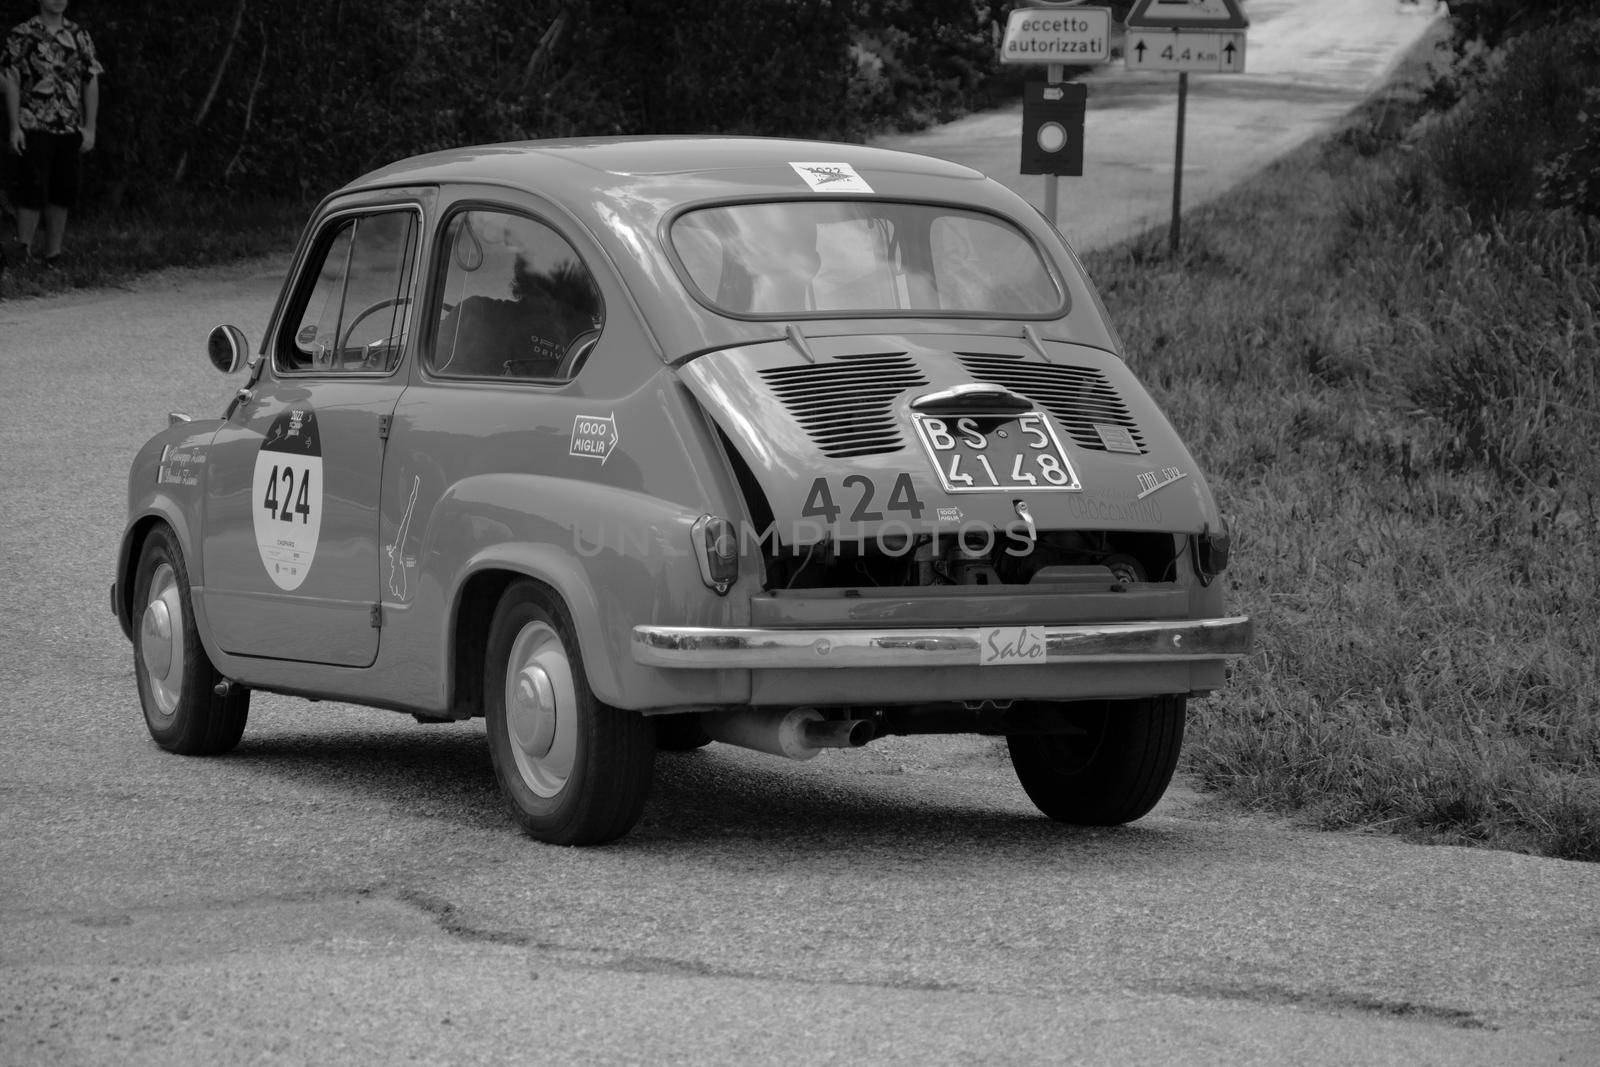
[286,497]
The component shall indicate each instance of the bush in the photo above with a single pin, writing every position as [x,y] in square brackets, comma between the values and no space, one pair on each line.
[1523,130]
[925,61]
[1493,22]
[292,97]
[723,66]
[1572,178]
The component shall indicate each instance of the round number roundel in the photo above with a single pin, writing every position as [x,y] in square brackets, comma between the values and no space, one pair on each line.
[286,497]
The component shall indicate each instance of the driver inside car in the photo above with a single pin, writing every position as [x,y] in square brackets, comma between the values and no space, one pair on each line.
[508,318]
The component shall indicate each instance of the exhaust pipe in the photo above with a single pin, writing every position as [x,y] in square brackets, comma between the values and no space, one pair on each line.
[797,734]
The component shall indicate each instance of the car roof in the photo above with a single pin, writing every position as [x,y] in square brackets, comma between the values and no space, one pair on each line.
[621,189]
[678,170]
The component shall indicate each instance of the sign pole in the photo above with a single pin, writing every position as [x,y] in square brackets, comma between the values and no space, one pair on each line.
[1046,32]
[1177,166]
[1054,74]
[1185,35]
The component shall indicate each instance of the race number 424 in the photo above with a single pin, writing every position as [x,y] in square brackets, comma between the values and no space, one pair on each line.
[821,503]
[282,499]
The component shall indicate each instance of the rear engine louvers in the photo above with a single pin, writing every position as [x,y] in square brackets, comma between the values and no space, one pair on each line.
[1078,397]
[847,404]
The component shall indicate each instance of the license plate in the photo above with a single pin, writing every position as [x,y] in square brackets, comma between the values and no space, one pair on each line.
[996,453]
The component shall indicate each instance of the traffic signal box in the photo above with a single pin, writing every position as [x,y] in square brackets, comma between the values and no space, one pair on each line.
[1052,128]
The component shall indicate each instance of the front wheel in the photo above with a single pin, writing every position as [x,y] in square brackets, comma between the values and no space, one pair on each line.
[575,771]
[177,683]
[1111,768]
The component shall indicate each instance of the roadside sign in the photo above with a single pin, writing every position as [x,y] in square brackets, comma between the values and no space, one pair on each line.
[1203,36]
[1074,36]
[1186,15]
[1052,128]
[1184,51]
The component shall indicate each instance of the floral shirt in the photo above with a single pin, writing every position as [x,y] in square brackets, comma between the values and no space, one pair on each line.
[51,69]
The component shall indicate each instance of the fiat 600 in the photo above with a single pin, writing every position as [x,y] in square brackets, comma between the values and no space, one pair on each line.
[628,445]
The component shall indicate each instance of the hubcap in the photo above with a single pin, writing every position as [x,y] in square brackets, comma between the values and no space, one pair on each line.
[161,640]
[541,709]
[533,722]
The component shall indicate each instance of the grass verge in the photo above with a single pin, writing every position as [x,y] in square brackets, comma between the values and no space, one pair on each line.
[1399,407]
[106,247]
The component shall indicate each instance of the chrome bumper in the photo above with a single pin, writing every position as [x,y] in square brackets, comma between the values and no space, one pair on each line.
[1177,641]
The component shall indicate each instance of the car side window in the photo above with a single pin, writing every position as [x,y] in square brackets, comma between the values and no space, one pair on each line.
[515,301]
[355,315]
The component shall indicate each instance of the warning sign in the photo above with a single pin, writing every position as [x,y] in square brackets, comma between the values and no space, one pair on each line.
[1187,15]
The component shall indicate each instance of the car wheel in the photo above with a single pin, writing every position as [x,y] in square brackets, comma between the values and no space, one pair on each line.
[679,733]
[575,771]
[1111,769]
[177,683]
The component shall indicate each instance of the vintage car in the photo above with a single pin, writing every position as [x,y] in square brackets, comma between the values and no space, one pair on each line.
[634,444]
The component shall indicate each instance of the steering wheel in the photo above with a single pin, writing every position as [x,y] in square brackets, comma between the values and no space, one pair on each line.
[578,350]
[370,351]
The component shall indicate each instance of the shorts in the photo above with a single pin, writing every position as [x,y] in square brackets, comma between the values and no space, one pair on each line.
[47,173]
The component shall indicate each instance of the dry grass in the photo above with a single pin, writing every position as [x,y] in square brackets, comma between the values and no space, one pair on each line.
[1399,407]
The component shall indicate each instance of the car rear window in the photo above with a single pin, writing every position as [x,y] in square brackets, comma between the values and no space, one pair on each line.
[820,257]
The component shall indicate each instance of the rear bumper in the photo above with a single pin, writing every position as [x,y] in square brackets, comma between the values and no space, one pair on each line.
[1163,641]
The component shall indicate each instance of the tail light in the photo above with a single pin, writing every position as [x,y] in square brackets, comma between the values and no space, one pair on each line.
[716,547]
[1211,550]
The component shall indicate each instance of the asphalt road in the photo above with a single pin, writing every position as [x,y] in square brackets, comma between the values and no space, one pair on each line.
[346,888]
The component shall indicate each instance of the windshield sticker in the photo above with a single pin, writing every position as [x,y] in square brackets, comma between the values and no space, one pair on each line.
[1150,481]
[831,177]
[594,436]
[286,497]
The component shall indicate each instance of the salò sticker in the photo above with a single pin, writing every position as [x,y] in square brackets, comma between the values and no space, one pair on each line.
[286,497]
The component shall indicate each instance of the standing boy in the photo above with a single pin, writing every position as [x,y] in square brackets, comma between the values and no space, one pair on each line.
[52,89]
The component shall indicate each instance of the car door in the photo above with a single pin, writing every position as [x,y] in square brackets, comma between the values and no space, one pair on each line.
[291,529]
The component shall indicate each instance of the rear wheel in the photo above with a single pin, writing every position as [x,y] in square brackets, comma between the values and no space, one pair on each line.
[177,683]
[575,771]
[1111,769]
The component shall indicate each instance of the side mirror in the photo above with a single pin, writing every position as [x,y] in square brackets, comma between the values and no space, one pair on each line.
[227,348]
